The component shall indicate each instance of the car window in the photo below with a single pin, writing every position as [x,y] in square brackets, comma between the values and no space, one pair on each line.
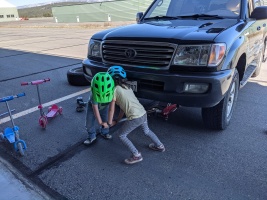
[160,8]
[173,8]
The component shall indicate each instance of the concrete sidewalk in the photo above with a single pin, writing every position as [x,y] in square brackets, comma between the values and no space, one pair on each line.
[14,186]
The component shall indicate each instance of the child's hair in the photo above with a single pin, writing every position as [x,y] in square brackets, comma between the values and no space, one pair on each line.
[120,82]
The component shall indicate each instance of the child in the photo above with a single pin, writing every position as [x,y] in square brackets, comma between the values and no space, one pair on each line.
[102,88]
[135,113]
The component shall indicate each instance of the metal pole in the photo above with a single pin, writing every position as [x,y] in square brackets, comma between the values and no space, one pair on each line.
[40,104]
[11,117]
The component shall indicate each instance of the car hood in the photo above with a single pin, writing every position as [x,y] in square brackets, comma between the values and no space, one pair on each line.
[166,31]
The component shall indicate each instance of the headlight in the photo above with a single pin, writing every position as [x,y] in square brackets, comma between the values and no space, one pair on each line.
[94,48]
[199,55]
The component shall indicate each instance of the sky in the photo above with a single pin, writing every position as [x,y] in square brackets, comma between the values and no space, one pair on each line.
[26,2]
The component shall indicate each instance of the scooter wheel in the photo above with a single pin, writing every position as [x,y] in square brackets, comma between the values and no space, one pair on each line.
[60,110]
[20,149]
[2,136]
[43,122]
[80,108]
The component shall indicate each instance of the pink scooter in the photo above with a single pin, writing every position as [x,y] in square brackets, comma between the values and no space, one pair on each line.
[52,111]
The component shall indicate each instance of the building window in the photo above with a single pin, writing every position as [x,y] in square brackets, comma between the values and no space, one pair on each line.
[12,16]
[8,16]
[1,16]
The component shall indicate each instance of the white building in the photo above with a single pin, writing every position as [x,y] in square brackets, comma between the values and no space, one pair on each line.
[8,12]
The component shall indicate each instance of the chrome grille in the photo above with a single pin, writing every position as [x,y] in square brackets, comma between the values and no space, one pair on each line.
[136,53]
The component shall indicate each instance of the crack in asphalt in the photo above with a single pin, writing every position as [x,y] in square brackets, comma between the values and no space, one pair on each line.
[56,160]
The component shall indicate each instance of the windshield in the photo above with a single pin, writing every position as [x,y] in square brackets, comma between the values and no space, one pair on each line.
[166,9]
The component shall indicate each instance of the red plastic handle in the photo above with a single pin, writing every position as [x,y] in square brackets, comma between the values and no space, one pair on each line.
[24,83]
[35,82]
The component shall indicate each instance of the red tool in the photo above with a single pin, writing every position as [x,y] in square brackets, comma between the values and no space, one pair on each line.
[163,111]
[52,111]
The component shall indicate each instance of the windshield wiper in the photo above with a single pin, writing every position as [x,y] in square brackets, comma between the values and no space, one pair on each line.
[201,16]
[161,17]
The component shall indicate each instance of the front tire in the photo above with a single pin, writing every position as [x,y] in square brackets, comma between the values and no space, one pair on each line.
[20,149]
[43,121]
[60,110]
[219,116]
[2,137]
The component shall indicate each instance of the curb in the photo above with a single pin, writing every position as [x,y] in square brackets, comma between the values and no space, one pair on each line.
[19,183]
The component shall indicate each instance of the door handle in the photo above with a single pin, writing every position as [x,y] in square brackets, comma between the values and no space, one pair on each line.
[258,28]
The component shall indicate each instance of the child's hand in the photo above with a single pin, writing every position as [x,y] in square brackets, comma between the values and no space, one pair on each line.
[114,122]
[105,125]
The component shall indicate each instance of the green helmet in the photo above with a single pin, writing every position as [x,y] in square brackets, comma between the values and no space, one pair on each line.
[102,87]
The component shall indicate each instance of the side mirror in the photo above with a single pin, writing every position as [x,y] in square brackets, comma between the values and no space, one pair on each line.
[139,16]
[259,13]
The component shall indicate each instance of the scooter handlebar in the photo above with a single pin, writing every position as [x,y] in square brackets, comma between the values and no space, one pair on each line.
[35,82]
[20,95]
[24,83]
[9,98]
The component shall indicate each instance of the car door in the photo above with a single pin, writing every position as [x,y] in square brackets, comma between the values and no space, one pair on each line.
[256,33]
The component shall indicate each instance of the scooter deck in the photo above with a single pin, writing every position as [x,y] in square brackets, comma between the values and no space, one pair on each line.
[52,113]
[9,134]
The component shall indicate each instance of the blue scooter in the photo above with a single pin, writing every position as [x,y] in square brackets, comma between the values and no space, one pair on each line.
[12,134]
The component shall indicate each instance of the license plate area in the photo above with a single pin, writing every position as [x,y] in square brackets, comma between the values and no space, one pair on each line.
[132,85]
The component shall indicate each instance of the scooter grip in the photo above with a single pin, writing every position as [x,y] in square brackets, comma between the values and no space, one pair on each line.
[46,79]
[5,99]
[21,95]
[24,83]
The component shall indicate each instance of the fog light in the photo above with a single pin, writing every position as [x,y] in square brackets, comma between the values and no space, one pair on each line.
[196,87]
[88,71]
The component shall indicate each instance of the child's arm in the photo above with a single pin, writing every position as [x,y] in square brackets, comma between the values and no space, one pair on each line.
[120,116]
[97,115]
[111,112]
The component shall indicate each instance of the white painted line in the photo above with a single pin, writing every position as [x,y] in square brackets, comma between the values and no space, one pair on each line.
[25,112]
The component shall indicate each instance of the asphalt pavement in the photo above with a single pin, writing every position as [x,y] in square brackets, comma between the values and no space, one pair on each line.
[198,164]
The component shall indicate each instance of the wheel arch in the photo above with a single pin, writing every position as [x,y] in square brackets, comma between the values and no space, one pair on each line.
[241,66]
[236,56]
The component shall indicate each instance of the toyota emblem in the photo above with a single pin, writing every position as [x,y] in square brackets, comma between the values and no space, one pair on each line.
[130,53]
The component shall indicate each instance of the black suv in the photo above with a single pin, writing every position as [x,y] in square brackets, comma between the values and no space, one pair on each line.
[195,56]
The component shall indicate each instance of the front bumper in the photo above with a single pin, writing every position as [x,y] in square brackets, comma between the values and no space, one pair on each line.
[169,87]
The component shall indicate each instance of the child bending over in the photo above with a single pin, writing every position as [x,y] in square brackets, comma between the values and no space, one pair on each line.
[102,88]
[136,115]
